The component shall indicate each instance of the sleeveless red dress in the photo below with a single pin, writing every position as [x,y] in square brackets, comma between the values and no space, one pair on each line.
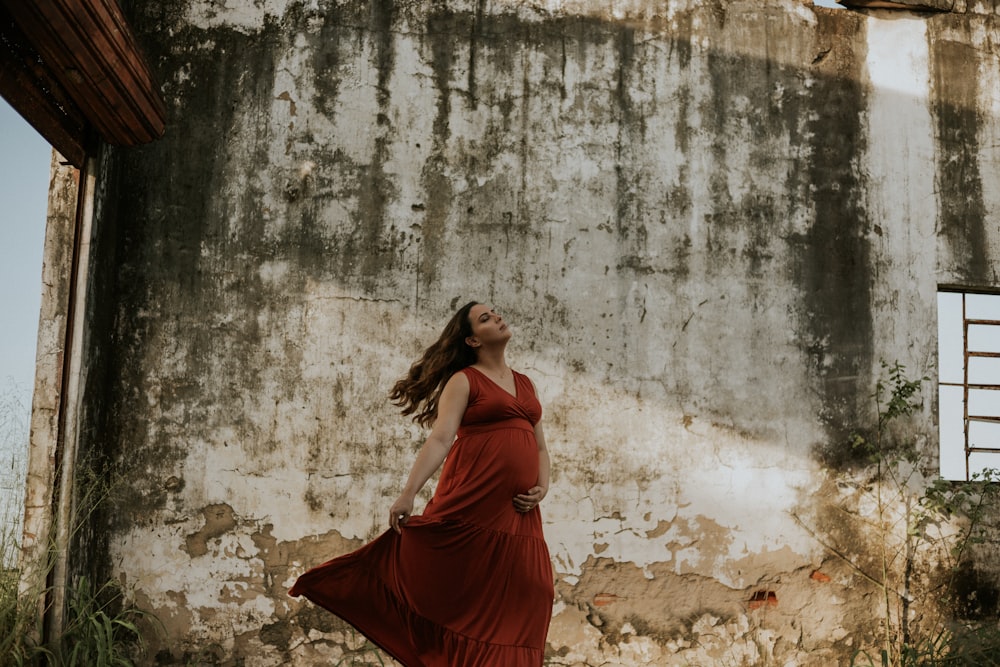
[468,583]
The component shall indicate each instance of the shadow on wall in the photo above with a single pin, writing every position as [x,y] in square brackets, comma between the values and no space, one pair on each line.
[686,221]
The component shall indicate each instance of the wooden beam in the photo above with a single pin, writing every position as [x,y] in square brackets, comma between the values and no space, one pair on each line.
[26,84]
[38,111]
[89,51]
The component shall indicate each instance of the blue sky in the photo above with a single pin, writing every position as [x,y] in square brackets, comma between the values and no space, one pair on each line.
[24,184]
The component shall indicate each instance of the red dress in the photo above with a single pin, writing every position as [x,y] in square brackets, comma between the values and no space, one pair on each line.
[469,582]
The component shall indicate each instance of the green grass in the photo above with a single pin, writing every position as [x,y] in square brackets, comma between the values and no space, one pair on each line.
[101,623]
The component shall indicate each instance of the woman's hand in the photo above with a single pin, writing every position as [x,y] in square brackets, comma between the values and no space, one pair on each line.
[527,501]
[400,512]
[451,407]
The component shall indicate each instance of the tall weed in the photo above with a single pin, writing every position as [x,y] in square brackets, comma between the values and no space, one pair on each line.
[101,623]
[920,529]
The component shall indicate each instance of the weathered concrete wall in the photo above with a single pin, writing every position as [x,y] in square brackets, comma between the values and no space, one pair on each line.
[707,222]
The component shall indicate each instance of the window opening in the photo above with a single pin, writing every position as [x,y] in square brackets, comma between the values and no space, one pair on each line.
[968,383]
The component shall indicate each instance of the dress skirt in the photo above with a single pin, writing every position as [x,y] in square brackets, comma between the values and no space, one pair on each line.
[469,582]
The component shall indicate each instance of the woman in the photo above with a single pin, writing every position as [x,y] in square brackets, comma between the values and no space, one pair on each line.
[468,583]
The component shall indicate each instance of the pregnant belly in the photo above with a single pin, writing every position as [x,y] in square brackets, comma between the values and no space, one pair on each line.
[487,471]
[511,461]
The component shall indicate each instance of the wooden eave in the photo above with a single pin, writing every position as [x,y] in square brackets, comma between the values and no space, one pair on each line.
[73,70]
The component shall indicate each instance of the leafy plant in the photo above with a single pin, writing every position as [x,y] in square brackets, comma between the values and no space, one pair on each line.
[102,628]
[922,529]
[101,625]
[13,621]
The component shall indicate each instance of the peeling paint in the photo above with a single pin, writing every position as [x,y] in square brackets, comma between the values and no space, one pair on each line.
[219,520]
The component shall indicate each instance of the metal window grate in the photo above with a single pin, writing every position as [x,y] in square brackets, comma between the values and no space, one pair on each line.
[980,387]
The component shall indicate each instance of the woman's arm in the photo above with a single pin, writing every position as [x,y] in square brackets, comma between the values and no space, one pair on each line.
[528,500]
[451,408]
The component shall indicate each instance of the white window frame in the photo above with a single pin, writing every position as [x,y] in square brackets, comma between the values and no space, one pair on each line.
[968,382]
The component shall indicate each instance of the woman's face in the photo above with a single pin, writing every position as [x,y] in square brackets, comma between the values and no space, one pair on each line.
[488,327]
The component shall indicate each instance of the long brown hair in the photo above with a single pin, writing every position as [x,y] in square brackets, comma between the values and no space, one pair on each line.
[420,390]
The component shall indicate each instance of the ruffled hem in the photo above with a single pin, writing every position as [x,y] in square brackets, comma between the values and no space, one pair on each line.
[363,588]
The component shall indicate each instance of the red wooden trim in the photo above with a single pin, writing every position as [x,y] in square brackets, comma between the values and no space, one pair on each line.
[90,52]
[26,84]
[33,105]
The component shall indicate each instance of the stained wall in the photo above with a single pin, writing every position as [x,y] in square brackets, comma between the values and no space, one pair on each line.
[707,223]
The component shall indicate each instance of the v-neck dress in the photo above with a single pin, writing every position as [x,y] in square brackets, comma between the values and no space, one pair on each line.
[468,583]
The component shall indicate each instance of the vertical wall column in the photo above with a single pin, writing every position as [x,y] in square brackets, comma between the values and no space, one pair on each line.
[49,497]
[65,501]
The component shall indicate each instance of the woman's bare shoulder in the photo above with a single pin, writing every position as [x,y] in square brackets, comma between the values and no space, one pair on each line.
[459,381]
